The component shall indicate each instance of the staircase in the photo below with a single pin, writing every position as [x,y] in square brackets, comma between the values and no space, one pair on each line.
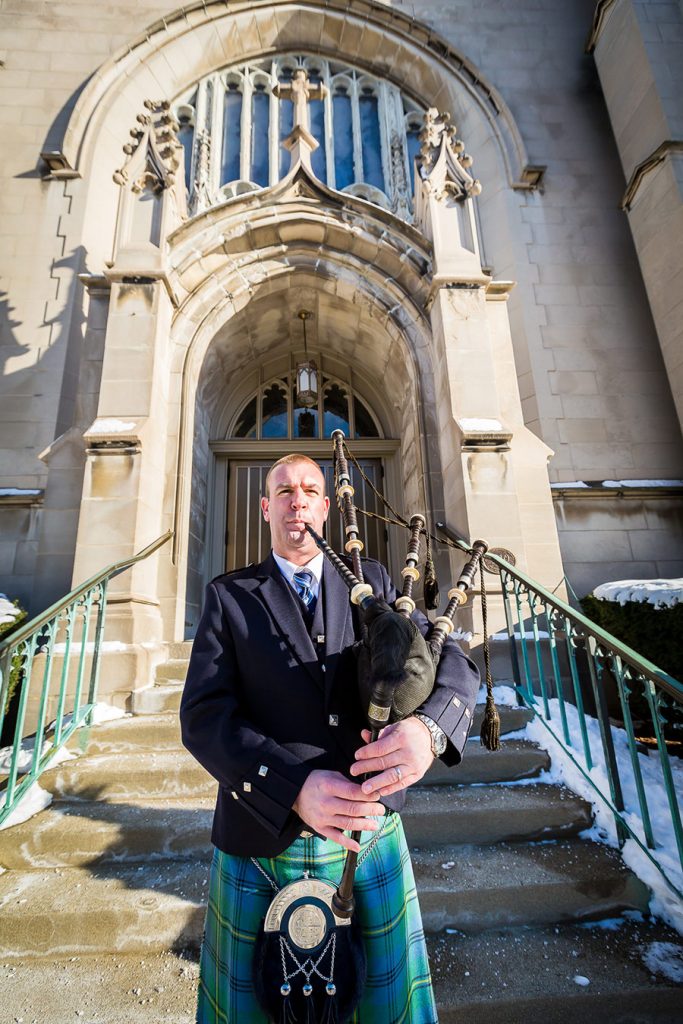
[102,896]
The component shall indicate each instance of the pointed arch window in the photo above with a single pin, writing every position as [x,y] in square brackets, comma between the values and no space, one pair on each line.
[273,412]
[366,129]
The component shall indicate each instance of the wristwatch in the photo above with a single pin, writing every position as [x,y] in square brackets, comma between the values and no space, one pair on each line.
[439,738]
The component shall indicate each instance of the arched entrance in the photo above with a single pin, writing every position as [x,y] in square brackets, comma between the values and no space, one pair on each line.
[247,414]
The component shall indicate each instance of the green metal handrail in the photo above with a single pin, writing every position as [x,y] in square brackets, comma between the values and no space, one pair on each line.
[38,638]
[586,659]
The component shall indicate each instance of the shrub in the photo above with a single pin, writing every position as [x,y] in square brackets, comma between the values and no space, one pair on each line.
[8,623]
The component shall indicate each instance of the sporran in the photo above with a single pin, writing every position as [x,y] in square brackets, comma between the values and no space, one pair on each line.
[309,964]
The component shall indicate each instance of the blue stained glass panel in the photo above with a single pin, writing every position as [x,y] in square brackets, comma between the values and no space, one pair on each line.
[186,136]
[319,158]
[232,136]
[413,137]
[286,120]
[260,110]
[370,137]
[343,140]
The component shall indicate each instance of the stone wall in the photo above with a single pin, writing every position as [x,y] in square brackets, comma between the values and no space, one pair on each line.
[592,379]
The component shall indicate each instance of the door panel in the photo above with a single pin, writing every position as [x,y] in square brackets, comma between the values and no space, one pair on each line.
[248,536]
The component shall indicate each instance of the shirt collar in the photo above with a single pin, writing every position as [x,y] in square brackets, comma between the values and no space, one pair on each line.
[315,566]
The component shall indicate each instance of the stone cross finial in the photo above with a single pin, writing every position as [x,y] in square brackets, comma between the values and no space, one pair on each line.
[300,91]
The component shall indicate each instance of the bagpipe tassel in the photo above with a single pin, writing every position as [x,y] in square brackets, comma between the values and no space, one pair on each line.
[431,583]
[490,727]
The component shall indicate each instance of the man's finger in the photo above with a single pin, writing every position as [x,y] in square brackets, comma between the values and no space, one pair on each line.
[376,764]
[387,783]
[347,823]
[386,744]
[344,789]
[338,837]
[362,808]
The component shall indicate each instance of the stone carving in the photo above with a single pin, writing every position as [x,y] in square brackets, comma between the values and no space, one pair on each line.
[400,205]
[156,141]
[443,163]
[201,196]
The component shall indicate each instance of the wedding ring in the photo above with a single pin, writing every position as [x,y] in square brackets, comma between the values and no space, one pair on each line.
[399,773]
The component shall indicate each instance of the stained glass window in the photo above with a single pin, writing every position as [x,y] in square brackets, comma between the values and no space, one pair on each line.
[278,397]
[275,412]
[352,124]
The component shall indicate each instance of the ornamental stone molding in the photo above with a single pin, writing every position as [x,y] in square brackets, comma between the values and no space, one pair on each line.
[204,36]
[442,161]
[155,154]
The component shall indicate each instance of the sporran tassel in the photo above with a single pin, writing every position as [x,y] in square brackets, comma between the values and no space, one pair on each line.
[489,736]
[431,583]
[287,1015]
[330,1015]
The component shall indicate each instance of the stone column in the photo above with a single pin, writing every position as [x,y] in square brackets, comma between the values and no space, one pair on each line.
[495,475]
[125,478]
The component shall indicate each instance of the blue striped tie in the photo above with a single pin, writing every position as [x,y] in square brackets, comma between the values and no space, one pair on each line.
[303,581]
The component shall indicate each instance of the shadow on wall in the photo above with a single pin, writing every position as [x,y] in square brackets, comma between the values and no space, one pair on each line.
[46,405]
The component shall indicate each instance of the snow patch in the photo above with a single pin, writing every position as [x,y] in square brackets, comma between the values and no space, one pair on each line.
[665,958]
[106,645]
[529,635]
[12,492]
[111,426]
[480,424]
[642,483]
[32,802]
[661,593]
[563,771]
[581,980]
[504,696]
[8,611]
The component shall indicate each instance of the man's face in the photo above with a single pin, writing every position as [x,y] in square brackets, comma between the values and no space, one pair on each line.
[297,496]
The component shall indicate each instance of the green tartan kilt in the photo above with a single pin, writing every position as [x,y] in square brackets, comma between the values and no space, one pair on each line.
[399,987]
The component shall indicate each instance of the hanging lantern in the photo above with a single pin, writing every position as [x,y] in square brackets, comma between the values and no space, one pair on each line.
[306,373]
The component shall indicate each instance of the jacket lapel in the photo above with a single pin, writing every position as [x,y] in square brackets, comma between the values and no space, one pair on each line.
[337,622]
[281,602]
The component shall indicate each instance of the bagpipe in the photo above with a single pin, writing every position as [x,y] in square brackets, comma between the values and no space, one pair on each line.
[310,962]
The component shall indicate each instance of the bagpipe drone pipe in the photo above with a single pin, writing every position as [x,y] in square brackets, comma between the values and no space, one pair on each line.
[396,669]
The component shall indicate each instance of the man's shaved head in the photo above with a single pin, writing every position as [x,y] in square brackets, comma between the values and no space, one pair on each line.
[287,460]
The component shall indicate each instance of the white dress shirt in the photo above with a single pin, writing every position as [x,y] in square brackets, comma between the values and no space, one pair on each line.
[315,566]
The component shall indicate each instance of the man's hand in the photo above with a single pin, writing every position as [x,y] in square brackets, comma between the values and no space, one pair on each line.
[332,805]
[401,755]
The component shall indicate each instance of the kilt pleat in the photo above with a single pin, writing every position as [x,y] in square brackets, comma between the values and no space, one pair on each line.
[398,988]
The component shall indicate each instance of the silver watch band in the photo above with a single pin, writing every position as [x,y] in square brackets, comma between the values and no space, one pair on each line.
[438,736]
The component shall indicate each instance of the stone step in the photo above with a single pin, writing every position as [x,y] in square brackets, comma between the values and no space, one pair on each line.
[442,815]
[103,909]
[174,670]
[517,988]
[477,888]
[161,699]
[128,735]
[83,833]
[180,649]
[526,976]
[516,759]
[119,778]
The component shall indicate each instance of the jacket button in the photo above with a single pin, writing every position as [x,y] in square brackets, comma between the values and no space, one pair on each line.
[334,719]
[246,786]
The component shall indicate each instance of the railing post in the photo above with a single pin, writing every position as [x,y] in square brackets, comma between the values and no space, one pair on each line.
[606,734]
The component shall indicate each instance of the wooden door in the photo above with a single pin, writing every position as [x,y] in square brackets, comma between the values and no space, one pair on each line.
[248,536]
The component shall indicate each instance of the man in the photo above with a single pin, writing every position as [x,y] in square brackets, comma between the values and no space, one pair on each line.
[272,711]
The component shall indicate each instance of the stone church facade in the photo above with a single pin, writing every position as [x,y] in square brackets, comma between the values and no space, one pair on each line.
[195,200]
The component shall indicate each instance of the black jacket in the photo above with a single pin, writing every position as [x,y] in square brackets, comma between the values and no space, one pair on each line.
[260,711]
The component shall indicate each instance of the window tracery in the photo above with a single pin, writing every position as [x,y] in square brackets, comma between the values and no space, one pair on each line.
[366,130]
[274,412]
